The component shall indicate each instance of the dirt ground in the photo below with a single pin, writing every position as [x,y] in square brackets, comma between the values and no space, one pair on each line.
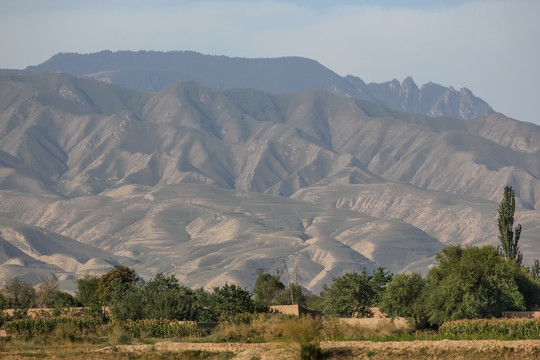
[443,349]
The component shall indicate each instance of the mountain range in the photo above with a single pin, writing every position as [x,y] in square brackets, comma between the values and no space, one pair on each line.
[213,184]
[151,71]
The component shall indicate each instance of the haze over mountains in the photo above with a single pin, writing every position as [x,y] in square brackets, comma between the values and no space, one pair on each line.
[212,184]
[151,71]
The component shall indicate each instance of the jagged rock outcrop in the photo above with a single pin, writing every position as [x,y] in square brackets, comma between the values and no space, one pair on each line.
[430,99]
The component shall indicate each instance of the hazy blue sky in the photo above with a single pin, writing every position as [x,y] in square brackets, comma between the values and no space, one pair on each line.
[489,46]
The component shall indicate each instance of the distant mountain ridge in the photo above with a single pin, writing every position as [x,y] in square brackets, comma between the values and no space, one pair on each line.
[211,185]
[152,71]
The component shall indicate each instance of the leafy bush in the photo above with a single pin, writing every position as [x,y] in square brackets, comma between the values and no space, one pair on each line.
[491,329]
[164,298]
[229,300]
[353,294]
[116,280]
[87,291]
[405,296]
[472,282]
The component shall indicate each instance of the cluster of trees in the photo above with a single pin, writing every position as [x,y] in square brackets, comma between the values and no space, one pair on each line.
[471,282]
[465,283]
[18,295]
[129,297]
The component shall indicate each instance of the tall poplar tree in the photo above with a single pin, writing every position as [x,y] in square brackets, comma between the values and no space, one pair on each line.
[508,235]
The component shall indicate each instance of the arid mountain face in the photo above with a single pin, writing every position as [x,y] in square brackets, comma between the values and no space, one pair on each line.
[152,71]
[212,185]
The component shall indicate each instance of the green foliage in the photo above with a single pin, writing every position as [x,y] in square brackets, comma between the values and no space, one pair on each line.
[44,326]
[159,328]
[535,270]
[120,278]
[19,295]
[379,281]
[49,296]
[508,236]
[352,294]
[230,300]
[405,297]
[292,295]
[61,299]
[117,289]
[528,286]
[205,312]
[164,298]
[126,302]
[151,328]
[472,282]
[506,329]
[87,291]
[3,302]
[160,298]
[267,291]
[315,302]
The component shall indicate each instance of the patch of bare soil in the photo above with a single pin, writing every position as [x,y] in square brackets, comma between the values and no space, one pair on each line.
[262,351]
[443,349]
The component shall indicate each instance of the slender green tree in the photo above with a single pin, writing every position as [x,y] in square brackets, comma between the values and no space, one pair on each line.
[508,235]
[535,270]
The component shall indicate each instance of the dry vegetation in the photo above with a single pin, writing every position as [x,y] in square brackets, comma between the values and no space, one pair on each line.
[267,337]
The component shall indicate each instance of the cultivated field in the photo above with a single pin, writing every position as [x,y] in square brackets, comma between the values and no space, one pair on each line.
[439,349]
[269,337]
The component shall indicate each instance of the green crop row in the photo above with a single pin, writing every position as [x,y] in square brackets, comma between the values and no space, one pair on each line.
[151,328]
[44,326]
[160,328]
[491,328]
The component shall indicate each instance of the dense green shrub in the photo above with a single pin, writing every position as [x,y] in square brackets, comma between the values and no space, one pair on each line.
[87,291]
[165,298]
[472,282]
[353,294]
[405,297]
[491,329]
[230,300]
